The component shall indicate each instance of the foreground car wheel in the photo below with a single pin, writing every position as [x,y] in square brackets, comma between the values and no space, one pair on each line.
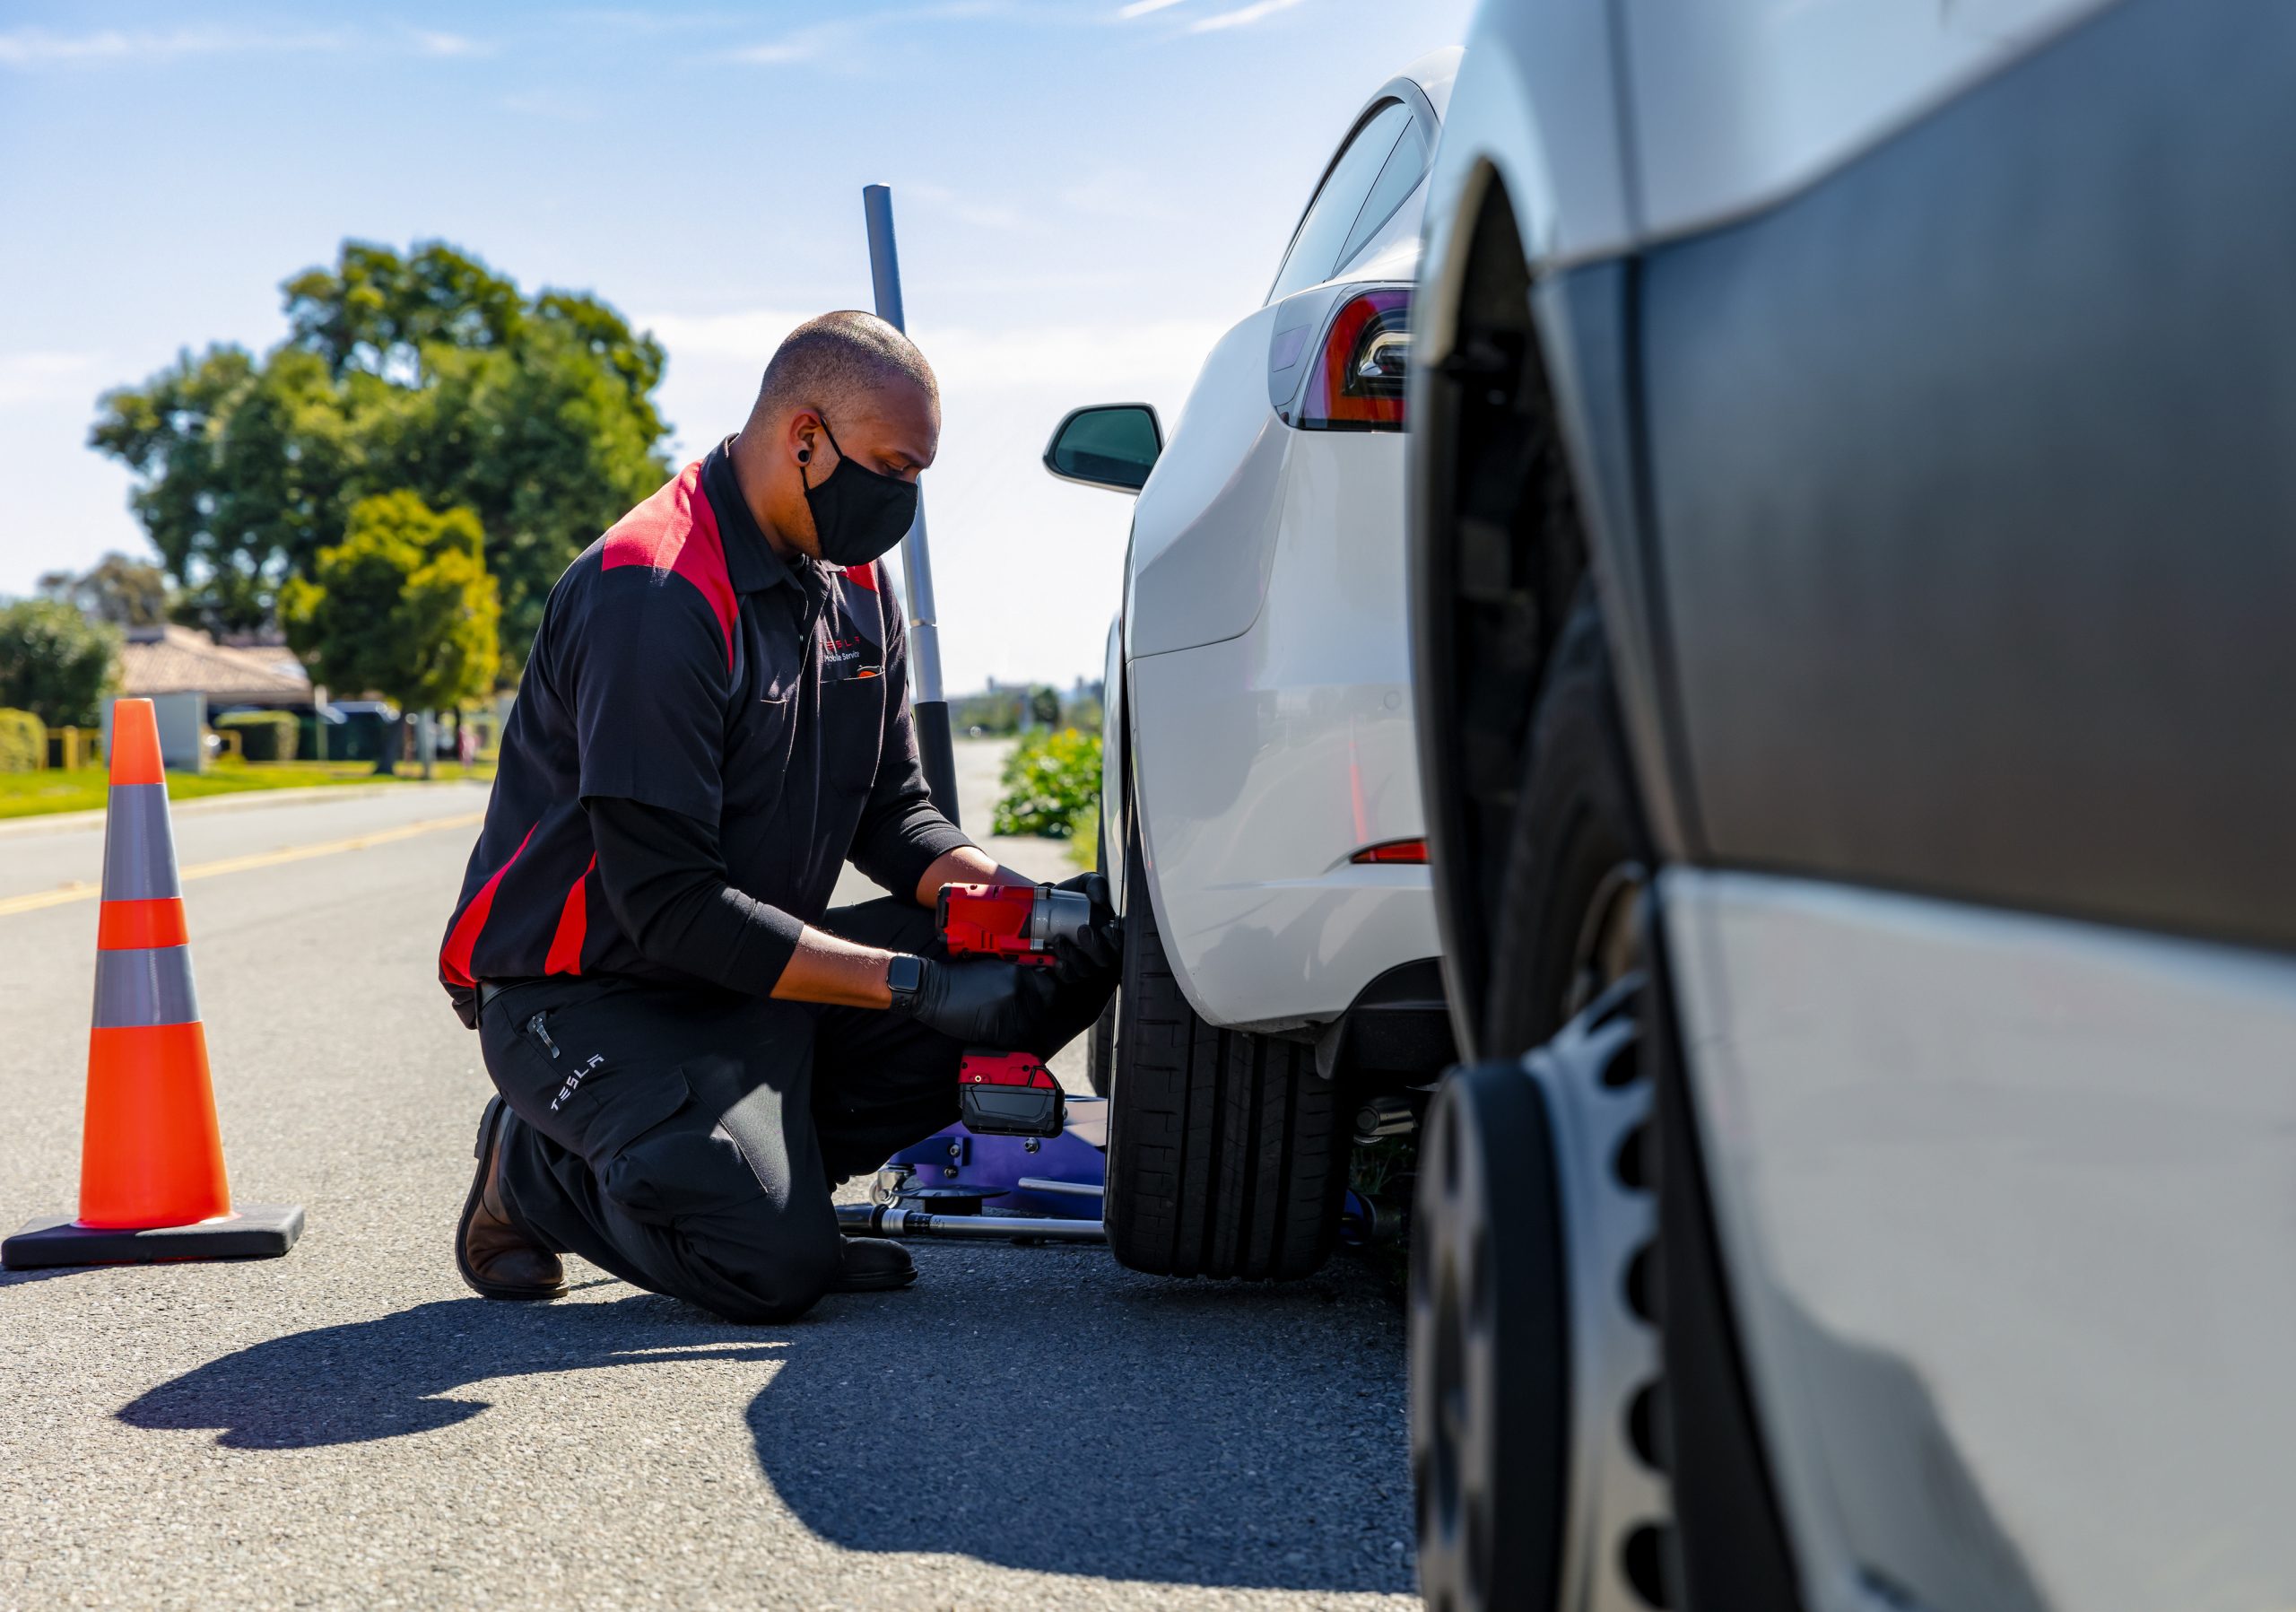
[1563,928]
[1227,1152]
[1533,1359]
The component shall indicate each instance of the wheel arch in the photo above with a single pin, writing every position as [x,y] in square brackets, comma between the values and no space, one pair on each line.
[1488,588]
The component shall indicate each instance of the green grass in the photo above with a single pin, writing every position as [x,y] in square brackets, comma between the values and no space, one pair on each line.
[34,794]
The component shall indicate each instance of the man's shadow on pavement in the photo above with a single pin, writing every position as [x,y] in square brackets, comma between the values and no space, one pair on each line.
[1045,1409]
[385,1378]
[1032,1408]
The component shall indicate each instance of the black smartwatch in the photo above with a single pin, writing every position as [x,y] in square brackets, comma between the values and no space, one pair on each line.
[904,977]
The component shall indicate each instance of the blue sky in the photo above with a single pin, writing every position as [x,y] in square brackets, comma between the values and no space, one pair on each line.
[1087,192]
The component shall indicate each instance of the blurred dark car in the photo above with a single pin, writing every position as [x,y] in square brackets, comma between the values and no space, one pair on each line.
[1853,536]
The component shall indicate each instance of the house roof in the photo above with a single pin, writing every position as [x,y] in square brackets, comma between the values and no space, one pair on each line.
[176,661]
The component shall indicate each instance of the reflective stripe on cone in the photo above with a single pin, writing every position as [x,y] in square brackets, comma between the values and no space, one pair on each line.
[148,985]
[139,849]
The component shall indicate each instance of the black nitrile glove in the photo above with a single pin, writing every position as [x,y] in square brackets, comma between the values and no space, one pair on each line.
[981,1001]
[1095,958]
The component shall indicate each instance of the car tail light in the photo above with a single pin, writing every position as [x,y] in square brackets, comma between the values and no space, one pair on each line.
[1357,383]
[1393,850]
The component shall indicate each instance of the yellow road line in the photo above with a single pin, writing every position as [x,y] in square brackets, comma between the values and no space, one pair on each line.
[268,859]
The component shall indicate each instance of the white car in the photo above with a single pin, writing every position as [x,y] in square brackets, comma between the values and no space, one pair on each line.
[1852,535]
[1260,809]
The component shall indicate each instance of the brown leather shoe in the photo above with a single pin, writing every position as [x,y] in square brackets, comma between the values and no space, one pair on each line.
[498,1259]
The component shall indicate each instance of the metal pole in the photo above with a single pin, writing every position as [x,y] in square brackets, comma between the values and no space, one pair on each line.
[929,705]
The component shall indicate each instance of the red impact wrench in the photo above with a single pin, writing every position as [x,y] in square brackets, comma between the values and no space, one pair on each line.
[1010,1093]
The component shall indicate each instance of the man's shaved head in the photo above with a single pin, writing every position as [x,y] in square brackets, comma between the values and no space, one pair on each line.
[841,364]
[845,386]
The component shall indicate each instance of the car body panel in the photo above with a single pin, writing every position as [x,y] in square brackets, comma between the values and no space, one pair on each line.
[1264,760]
[2005,1203]
[1739,103]
[1930,385]
[1266,670]
[1202,532]
[1970,468]
[1536,98]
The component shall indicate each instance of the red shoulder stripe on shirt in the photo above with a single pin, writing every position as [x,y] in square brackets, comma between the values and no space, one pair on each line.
[454,958]
[676,531]
[865,575]
[565,956]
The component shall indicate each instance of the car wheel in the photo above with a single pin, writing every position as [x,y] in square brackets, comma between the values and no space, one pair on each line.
[1535,1410]
[1563,926]
[1227,1152]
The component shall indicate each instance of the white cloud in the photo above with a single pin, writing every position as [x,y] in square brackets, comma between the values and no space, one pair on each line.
[1141,8]
[41,46]
[800,46]
[752,332]
[1243,16]
[985,216]
[449,44]
[1162,353]
[46,377]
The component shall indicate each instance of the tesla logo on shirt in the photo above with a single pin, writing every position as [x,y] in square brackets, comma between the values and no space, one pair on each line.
[841,659]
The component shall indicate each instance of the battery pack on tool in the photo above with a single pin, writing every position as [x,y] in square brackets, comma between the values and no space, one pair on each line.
[1016,922]
[1008,1094]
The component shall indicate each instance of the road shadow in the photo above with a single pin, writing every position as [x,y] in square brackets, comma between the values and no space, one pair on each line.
[1043,1409]
[1035,1408]
[385,1378]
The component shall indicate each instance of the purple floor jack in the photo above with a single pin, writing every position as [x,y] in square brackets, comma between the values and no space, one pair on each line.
[956,1183]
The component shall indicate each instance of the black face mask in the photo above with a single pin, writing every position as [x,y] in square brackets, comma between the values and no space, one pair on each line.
[859,513]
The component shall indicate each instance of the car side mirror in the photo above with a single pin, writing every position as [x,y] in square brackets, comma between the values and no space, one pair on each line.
[1112,445]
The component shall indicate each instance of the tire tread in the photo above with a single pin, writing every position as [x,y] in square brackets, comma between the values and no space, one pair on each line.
[1226,1155]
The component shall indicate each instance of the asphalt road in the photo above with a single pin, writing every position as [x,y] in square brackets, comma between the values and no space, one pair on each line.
[349,1427]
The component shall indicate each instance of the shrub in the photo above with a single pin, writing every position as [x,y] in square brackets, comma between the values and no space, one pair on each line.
[23,742]
[54,662]
[1084,837]
[1048,779]
[264,736]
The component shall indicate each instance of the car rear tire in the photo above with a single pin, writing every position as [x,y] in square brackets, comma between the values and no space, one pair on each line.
[1228,1153]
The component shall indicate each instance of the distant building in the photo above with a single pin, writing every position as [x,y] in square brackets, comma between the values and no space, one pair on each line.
[182,660]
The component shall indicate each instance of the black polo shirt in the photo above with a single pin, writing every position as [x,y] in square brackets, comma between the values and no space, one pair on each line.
[683,666]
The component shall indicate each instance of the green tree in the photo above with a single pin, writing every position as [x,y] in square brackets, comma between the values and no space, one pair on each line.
[403,607]
[124,592]
[427,372]
[56,663]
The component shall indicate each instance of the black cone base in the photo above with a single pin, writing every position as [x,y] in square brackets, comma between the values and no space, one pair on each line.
[251,1232]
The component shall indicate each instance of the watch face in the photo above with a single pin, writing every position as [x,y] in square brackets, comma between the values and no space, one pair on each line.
[903,975]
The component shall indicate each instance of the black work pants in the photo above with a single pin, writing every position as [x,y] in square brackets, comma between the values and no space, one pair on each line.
[686,1138]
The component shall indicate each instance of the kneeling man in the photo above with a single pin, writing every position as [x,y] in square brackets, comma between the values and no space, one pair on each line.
[691,1047]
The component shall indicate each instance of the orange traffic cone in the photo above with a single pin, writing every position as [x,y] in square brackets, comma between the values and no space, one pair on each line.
[152,1183]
